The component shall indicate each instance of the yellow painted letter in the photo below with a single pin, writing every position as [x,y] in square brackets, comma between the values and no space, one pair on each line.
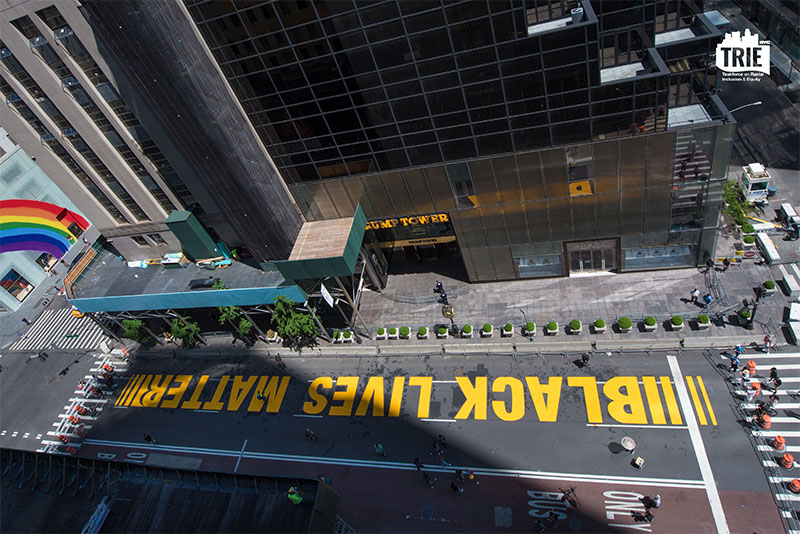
[177,392]
[153,397]
[397,396]
[475,397]
[546,410]
[215,403]
[318,401]
[618,407]
[347,396]
[239,391]
[193,403]
[590,396]
[373,392]
[517,398]
[425,384]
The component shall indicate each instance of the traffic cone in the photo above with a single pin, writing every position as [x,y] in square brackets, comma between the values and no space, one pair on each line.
[794,486]
[751,367]
[765,422]
[63,438]
[74,420]
[787,461]
[72,450]
[778,443]
[80,409]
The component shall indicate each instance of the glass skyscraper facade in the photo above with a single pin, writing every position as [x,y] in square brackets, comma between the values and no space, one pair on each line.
[532,138]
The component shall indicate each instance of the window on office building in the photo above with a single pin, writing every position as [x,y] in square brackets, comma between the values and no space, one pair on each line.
[158,239]
[15,284]
[461,182]
[580,170]
[141,241]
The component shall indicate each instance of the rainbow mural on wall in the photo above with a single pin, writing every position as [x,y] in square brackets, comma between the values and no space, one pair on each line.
[35,225]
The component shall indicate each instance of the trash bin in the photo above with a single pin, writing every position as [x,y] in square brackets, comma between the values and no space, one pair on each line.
[772,191]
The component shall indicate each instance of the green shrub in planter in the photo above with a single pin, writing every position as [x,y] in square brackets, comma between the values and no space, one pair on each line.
[748,228]
[467,329]
[392,331]
[769,284]
[574,324]
[529,326]
[441,330]
[487,328]
[676,320]
[348,334]
[650,320]
[337,334]
[422,331]
[552,325]
[702,319]
[381,331]
[599,323]
[625,322]
[749,239]
[508,327]
[404,331]
[744,313]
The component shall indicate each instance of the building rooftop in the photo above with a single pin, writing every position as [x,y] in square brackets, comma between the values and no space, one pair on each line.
[108,284]
[687,116]
[321,239]
[621,72]
[674,36]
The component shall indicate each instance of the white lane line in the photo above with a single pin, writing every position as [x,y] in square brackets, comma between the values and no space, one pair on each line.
[429,420]
[773,433]
[404,466]
[699,448]
[206,411]
[640,381]
[309,416]
[757,356]
[240,456]
[790,420]
[445,381]
[778,367]
[604,425]
[787,496]
[780,392]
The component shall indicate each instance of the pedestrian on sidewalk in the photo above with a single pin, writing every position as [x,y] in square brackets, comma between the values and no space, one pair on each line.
[418,463]
[585,360]
[709,264]
[540,526]
[85,241]
[295,496]
[773,376]
[440,439]
[776,385]
[725,264]
[695,295]
[437,449]
[429,480]
[443,462]
[738,349]
[652,502]
[707,300]
[149,439]
[552,518]
[379,449]
[458,490]
[26,321]
[768,343]
[734,363]
[752,392]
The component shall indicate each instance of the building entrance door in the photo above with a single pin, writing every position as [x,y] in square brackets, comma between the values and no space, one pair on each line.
[592,256]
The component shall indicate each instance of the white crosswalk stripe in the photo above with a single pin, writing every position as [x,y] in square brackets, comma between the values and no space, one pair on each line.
[59,329]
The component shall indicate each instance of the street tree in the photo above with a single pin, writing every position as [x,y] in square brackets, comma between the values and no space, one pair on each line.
[185,330]
[297,329]
[133,329]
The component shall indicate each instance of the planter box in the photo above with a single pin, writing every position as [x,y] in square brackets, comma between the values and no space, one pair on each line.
[703,326]
[677,327]
[529,333]
[406,336]
[382,336]
[748,246]
[770,291]
[601,330]
[487,334]
[551,332]
[506,333]
[338,339]
[390,335]
[272,336]
[442,336]
[625,330]
[577,330]
[649,328]
[347,339]
[467,334]
[426,335]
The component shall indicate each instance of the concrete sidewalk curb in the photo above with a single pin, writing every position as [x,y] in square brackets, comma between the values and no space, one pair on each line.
[445,349]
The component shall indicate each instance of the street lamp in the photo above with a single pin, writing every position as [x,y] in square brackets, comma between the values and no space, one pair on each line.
[760,293]
[746,106]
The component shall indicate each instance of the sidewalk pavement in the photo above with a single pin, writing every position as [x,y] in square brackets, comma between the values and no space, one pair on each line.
[586,298]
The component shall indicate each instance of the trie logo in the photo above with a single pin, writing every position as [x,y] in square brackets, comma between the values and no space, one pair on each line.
[737,53]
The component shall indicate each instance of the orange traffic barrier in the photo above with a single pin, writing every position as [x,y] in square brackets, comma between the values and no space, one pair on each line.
[765,422]
[63,438]
[72,450]
[110,368]
[81,431]
[794,486]
[74,419]
[80,409]
[778,443]
[756,386]
[787,461]
[751,366]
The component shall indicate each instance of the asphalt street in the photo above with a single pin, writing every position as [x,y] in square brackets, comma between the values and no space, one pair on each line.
[525,424]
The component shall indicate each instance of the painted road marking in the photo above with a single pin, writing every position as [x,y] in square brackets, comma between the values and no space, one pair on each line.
[699,448]
[776,419]
[757,356]
[787,448]
[776,406]
[441,420]
[625,400]
[668,427]
[404,466]
[780,367]
[773,433]
[304,415]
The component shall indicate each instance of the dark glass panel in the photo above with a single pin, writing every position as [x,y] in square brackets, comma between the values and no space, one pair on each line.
[566,56]
[565,79]
[346,41]
[330,89]
[555,173]
[519,48]
[375,14]
[472,228]
[420,196]
[485,114]
[399,74]
[392,53]
[530,176]
[531,138]
[379,196]
[436,66]
[516,223]
[402,90]
[632,163]
[504,27]
[379,113]
[364,81]
[297,96]
[583,217]
[343,121]
[410,108]
[538,221]
[484,94]
[479,74]
[560,219]
[528,121]
[606,156]
[658,207]
[632,211]
[392,159]
[660,159]
[477,57]
[425,21]
[483,128]
[430,44]
[457,132]
[494,225]
[454,150]
[423,155]
[445,101]
[483,182]
[288,77]
[387,30]
[607,207]
[442,81]
[465,11]
[473,34]
[351,62]
[571,132]
[523,65]
[341,23]
[569,113]
[494,144]
[340,198]
[416,126]
[453,119]
[419,138]
[439,186]
[524,87]
[505,172]
[398,194]
[307,32]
